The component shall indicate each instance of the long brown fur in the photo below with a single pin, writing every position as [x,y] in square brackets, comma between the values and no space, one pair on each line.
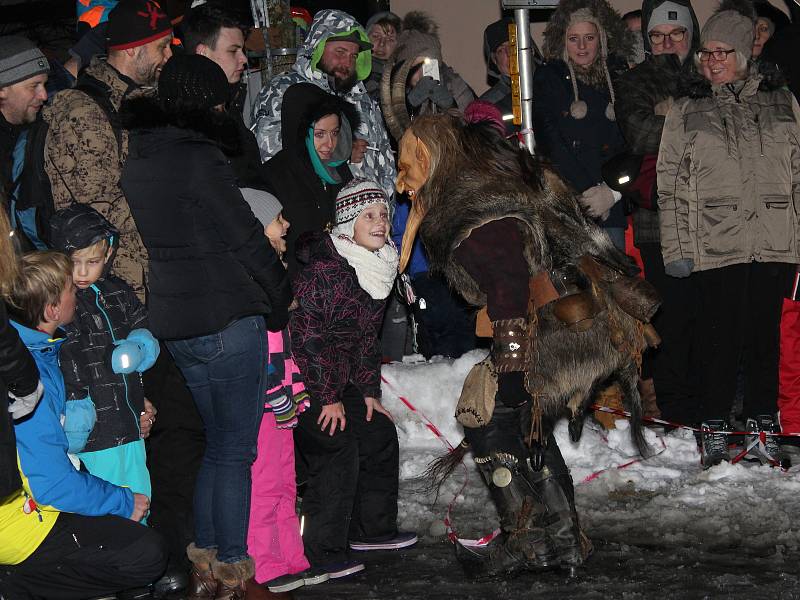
[476,177]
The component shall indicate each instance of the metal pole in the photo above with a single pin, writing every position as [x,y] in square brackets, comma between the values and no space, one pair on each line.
[525,60]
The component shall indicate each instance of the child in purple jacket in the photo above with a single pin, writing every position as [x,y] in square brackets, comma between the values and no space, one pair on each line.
[273,536]
[347,439]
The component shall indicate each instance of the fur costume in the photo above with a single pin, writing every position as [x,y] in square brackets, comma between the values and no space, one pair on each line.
[489,180]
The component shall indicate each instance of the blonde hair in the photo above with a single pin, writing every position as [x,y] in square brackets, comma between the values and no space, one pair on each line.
[42,278]
[9,262]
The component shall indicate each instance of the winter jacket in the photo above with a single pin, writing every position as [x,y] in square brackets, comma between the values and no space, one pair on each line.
[51,484]
[246,161]
[105,312]
[209,261]
[729,174]
[308,202]
[378,165]
[8,139]
[18,374]
[84,158]
[577,147]
[638,92]
[335,327]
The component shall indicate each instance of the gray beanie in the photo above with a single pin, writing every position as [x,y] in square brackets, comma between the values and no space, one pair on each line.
[20,59]
[730,27]
[264,205]
[672,13]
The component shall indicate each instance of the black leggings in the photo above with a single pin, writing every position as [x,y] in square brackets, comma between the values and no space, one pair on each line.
[83,557]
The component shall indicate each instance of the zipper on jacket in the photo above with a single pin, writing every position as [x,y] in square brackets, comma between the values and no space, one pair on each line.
[760,139]
[727,137]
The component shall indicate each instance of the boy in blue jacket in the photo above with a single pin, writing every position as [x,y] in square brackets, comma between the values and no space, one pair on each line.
[66,533]
[106,350]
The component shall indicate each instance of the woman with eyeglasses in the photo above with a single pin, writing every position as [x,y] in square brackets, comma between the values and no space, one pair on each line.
[729,196]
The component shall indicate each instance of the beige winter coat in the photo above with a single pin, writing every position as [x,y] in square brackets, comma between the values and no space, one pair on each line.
[83,160]
[729,177]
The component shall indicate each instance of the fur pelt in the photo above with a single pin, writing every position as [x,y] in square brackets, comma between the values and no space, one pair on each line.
[620,39]
[233,573]
[201,556]
[492,180]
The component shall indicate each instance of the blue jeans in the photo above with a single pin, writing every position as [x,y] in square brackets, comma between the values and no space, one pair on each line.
[226,372]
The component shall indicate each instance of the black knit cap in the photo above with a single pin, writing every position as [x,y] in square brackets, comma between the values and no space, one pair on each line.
[192,81]
[496,34]
[133,23]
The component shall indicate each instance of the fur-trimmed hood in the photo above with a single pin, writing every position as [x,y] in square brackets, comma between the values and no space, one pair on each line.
[692,84]
[620,39]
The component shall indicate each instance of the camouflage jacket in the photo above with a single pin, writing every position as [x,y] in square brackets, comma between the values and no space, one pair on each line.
[377,165]
[83,160]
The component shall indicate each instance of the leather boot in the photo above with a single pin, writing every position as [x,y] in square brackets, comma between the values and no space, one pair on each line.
[232,578]
[202,585]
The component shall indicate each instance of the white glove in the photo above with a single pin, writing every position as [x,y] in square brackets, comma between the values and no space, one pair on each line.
[24,405]
[599,200]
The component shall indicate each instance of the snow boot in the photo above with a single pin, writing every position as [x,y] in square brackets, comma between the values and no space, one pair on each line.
[232,579]
[202,584]
[714,443]
[767,424]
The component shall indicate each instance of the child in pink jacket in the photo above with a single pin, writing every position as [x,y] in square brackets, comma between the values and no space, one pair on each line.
[273,537]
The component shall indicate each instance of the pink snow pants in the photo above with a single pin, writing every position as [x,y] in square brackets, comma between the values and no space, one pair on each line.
[273,538]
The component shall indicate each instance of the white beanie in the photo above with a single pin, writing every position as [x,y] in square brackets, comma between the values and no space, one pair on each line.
[672,13]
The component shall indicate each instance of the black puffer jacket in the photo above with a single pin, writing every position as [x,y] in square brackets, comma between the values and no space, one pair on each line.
[18,374]
[105,312]
[638,92]
[209,263]
[308,203]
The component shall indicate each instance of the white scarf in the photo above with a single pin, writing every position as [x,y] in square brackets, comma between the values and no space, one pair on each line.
[376,271]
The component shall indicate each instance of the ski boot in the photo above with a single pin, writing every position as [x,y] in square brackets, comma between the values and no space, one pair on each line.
[713,442]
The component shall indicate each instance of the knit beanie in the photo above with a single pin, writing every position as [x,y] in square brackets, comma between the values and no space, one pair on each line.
[730,27]
[20,59]
[353,198]
[134,23]
[192,81]
[578,108]
[672,13]
[413,43]
[264,205]
[496,34]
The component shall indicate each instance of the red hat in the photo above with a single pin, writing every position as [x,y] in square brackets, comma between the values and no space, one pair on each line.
[135,23]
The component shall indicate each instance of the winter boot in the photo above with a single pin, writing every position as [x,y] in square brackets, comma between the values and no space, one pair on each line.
[713,442]
[553,486]
[232,578]
[202,584]
[524,543]
[766,424]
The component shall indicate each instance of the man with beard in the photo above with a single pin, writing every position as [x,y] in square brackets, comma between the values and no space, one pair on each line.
[85,147]
[644,95]
[23,75]
[336,57]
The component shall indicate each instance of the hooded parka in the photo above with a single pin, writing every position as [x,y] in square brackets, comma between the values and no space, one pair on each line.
[308,201]
[378,165]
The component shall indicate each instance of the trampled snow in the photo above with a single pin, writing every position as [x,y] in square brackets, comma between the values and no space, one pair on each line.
[667,500]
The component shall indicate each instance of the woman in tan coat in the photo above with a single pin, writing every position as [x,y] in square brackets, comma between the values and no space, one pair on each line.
[729,190]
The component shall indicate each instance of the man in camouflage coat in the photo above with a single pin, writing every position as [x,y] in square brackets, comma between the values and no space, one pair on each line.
[85,147]
[335,56]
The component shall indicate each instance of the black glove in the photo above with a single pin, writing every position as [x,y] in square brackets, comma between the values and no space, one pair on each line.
[511,389]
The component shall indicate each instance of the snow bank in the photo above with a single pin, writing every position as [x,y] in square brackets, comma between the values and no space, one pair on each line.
[666,500]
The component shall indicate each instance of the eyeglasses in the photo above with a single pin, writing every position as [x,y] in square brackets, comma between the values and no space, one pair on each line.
[719,55]
[657,38]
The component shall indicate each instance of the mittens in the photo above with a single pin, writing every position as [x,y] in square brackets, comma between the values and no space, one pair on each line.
[599,200]
[24,405]
[283,408]
[149,346]
[138,352]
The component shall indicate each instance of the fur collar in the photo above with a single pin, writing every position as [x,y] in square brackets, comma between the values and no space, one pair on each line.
[694,85]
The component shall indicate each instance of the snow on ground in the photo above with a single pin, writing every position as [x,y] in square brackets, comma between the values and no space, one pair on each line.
[666,501]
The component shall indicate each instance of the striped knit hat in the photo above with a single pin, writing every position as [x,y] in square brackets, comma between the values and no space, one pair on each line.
[354,198]
[20,59]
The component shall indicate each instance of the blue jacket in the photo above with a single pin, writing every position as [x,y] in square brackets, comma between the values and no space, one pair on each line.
[419,261]
[42,445]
